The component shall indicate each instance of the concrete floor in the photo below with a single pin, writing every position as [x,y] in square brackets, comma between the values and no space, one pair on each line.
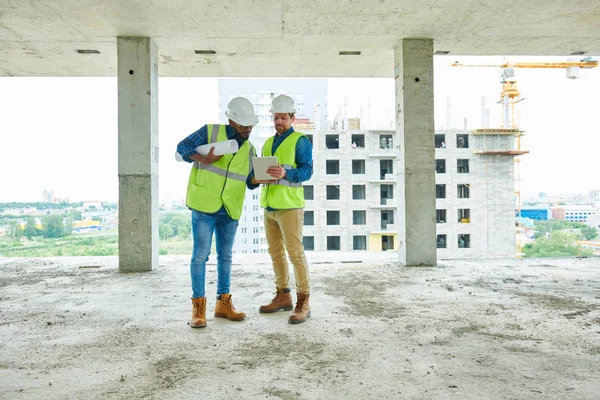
[74,328]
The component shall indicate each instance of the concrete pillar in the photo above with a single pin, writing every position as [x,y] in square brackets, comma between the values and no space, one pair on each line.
[415,187]
[138,153]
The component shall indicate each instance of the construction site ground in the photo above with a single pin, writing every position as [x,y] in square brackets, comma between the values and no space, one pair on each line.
[76,328]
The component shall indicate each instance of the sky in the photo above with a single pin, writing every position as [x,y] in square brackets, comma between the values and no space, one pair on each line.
[60,134]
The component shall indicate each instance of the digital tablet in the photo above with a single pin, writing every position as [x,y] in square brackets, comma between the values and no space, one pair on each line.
[260,165]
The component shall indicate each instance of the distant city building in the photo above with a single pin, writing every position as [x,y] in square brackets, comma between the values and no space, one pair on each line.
[48,196]
[574,213]
[536,213]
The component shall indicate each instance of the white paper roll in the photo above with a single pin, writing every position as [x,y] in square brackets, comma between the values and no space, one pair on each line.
[227,147]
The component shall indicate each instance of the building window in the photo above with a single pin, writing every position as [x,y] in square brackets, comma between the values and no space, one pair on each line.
[464,215]
[440,166]
[441,241]
[310,138]
[385,167]
[359,217]
[333,192]
[359,192]
[333,167]
[464,241]
[440,216]
[309,218]
[358,167]
[440,141]
[462,141]
[309,193]
[386,193]
[333,242]
[463,191]
[387,218]
[462,166]
[332,141]
[308,242]
[358,141]
[386,141]
[333,217]
[359,243]
[440,191]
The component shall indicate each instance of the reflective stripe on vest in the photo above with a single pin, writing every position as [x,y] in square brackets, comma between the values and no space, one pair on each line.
[283,194]
[222,183]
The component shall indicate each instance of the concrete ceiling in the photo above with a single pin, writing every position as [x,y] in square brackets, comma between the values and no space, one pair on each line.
[291,38]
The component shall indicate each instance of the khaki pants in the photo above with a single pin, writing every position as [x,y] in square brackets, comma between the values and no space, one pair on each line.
[283,229]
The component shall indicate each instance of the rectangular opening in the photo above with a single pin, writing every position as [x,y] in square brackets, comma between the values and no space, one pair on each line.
[359,217]
[462,166]
[440,141]
[464,241]
[462,141]
[332,167]
[309,193]
[358,167]
[309,218]
[463,191]
[333,242]
[332,141]
[308,242]
[386,141]
[385,167]
[440,191]
[387,242]
[359,192]
[359,242]
[464,215]
[440,216]
[309,137]
[387,217]
[440,166]
[333,192]
[333,217]
[386,193]
[441,241]
[358,141]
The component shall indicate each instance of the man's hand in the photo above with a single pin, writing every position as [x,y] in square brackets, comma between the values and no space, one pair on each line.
[210,157]
[276,171]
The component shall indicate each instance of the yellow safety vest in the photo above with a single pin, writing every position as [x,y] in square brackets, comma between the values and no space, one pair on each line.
[283,194]
[223,182]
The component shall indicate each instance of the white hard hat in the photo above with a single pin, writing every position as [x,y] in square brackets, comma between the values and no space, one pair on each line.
[240,110]
[283,104]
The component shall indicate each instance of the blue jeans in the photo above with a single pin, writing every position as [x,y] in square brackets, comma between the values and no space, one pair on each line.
[203,227]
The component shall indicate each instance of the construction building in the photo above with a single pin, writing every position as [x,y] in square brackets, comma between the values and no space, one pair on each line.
[352,201]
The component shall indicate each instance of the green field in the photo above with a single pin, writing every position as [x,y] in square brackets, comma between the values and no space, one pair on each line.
[104,243]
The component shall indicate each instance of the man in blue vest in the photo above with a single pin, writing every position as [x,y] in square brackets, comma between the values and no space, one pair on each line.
[283,202]
[215,194]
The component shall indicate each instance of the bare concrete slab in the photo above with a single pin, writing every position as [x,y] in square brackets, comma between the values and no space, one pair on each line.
[74,328]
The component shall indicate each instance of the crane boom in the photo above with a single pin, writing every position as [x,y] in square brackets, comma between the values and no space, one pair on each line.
[565,64]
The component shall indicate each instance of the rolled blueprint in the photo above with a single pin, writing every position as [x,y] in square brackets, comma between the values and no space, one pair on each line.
[227,147]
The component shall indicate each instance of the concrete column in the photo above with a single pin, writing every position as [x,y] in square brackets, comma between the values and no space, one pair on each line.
[138,153]
[415,187]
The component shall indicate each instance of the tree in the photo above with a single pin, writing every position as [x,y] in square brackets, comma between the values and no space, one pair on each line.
[558,244]
[589,232]
[15,232]
[165,231]
[53,226]
[31,229]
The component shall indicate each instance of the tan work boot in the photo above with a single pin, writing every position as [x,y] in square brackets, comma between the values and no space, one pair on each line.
[302,310]
[198,312]
[281,301]
[225,309]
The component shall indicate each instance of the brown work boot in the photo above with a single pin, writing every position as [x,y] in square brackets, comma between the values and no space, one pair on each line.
[198,312]
[302,310]
[225,309]
[281,301]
